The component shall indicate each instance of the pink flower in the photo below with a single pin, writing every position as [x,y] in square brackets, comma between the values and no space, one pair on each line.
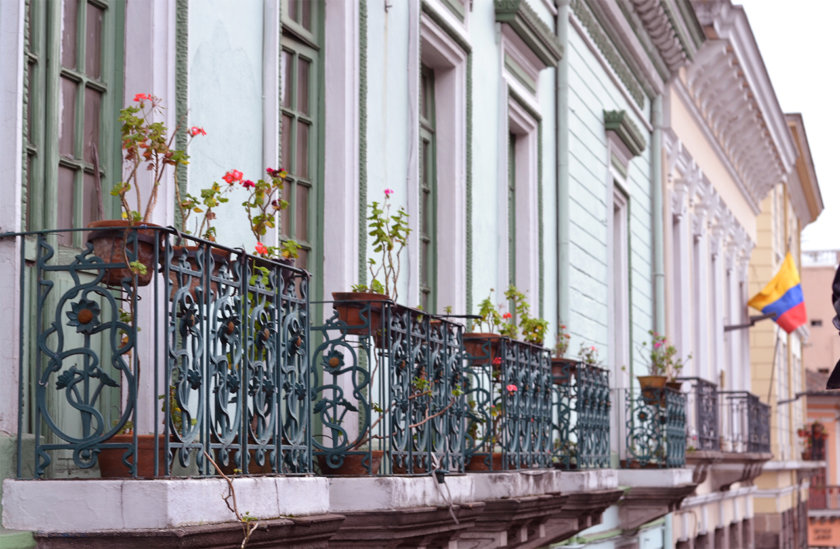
[497,361]
[275,173]
[592,348]
[389,192]
[248,184]
[512,388]
[195,130]
[142,97]
[657,345]
[261,249]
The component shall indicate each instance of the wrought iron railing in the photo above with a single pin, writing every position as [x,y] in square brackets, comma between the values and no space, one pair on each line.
[581,410]
[388,390]
[702,414]
[142,331]
[656,434]
[745,422]
[509,400]
[821,498]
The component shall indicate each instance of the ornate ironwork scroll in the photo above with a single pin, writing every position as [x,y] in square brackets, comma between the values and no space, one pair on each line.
[656,434]
[388,391]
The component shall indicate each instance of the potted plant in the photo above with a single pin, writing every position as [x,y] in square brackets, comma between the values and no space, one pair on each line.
[361,308]
[665,366]
[209,198]
[482,345]
[813,436]
[147,147]
[562,368]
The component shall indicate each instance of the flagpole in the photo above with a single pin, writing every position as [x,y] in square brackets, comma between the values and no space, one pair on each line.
[773,371]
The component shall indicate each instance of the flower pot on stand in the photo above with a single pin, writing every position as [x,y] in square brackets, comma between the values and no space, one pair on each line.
[111,459]
[483,462]
[481,347]
[354,307]
[563,370]
[653,389]
[220,257]
[110,246]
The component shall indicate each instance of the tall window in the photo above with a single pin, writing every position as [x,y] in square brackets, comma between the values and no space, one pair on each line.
[300,103]
[511,200]
[74,54]
[428,192]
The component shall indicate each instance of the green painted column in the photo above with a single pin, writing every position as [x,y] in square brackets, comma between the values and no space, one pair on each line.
[657,211]
[562,194]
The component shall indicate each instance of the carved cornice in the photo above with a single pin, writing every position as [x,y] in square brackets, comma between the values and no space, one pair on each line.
[675,45]
[608,50]
[731,92]
[643,504]
[528,26]
[625,130]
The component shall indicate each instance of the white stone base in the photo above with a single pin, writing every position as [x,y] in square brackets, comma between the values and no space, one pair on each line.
[654,477]
[102,505]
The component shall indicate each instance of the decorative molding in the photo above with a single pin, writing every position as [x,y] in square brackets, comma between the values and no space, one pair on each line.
[619,123]
[661,25]
[469,204]
[182,81]
[458,36]
[362,141]
[528,26]
[730,91]
[608,50]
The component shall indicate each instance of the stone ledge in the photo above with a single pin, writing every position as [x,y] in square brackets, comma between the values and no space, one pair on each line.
[293,533]
[101,505]
[406,492]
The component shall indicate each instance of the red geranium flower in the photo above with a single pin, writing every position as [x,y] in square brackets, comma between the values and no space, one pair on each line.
[141,97]
[248,184]
[261,249]
[195,130]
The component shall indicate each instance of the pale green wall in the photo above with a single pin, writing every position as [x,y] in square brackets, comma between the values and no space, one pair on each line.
[225,98]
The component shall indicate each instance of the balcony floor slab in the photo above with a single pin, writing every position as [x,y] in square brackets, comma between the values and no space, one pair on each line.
[103,505]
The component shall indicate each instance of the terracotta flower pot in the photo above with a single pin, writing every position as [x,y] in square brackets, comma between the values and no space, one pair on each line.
[482,347]
[220,257]
[110,246]
[353,464]
[653,389]
[481,463]
[352,307]
[563,370]
[110,459]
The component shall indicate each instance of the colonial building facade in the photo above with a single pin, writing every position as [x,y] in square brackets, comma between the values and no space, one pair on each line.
[612,161]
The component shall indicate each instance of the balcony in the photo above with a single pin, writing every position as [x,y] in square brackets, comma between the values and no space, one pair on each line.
[728,434]
[201,370]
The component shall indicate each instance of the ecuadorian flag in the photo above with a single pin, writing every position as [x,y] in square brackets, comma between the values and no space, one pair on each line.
[783,297]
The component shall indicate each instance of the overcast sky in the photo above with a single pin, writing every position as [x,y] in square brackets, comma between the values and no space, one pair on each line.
[798,41]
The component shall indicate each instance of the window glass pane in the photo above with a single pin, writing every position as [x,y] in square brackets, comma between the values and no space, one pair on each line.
[93,43]
[286,60]
[301,213]
[285,224]
[303,85]
[68,33]
[93,104]
[302,167]
[90,200]
[67,117]
[30,103]
[302,260]
[306,14]
[286,143]
[64,217]
[294,11]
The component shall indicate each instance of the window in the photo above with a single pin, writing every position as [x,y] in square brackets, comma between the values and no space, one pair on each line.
[300,144]
[511,209]
[816,323]
[428,191]
[74,52]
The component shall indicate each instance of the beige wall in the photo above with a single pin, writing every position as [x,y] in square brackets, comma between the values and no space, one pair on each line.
[823,347]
